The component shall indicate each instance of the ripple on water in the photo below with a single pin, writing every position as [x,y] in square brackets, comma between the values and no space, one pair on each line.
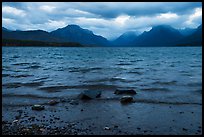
[124,64]
[153,89]
[89,87]
[19,84]
[84,70]
[21,64]
[6,75]
[12,85]
[165,83]
[21,76]
[194,84]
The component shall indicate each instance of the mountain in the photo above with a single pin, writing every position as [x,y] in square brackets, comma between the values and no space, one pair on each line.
[162,35]
[74,33]
[125,39]
[187,31]
[195,39]
[5,29]
[35,35]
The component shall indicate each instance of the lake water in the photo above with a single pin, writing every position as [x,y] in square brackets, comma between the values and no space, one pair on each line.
[33,74]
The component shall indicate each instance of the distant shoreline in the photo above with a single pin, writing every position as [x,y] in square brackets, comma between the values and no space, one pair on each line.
[30,43]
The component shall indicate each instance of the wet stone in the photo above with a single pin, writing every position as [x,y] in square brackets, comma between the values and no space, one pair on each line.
[126,99]
[86,95]
[38,107]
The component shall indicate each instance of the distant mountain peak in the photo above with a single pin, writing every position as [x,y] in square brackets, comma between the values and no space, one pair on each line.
[5,29]
[73,26]
[74,33]
[200,26]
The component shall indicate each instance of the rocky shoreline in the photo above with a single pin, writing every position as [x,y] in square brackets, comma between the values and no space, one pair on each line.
[90,114]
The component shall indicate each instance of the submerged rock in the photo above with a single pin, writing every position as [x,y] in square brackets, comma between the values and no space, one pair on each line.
[38,107]
[90,94]
[126,99]
[125,91]
[53,102]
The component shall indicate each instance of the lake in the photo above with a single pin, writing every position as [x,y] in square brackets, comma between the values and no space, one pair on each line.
[169,75]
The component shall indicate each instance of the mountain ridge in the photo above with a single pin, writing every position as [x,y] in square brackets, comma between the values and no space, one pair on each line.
[160,35]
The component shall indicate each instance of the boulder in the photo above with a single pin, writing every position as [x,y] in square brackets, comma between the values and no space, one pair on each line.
[90,94]
[126,99]
[125,91]
[38,107]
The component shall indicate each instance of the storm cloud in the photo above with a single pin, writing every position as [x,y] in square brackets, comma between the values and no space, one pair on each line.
[109,19]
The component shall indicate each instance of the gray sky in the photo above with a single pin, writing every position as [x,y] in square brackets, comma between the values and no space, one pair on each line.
[109,19]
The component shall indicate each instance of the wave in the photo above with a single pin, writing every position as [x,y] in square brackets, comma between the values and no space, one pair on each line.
[28,96]
[90,87]
[136,72]
[83,70]
[12,85]
[155,89]
[195,84]
[6,75]
[114,79]
[33,67]
[21,76]
[21,64]
[124,64]
[19,84]
[165,83]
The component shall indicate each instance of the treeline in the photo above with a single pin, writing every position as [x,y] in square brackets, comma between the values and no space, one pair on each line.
[30,43]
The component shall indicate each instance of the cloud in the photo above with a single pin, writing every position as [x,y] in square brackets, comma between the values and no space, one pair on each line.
[47,8]
[101,17]
[195,18]
[7,10]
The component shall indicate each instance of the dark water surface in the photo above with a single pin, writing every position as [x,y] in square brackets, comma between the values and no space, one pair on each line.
[163,74]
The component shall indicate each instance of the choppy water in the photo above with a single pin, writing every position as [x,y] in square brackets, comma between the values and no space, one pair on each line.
[30,75]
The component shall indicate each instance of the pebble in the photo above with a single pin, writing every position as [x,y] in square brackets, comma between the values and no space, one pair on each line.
[15,121]
[38,107]
[106,128]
